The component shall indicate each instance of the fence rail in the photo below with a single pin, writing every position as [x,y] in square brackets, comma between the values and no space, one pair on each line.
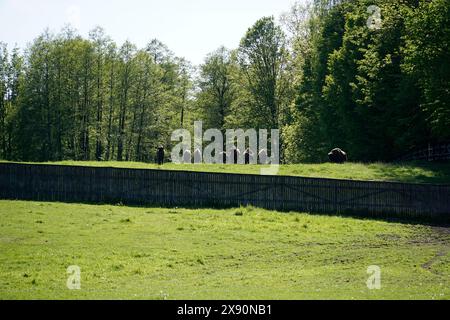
[437,152]
[199,189]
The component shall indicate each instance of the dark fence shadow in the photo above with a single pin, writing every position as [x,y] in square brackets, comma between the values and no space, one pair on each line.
[142,187]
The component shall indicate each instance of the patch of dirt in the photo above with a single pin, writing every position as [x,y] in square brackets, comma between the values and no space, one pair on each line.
[442,230]
[442,238]
[441,253]
[389,236]
[437,235]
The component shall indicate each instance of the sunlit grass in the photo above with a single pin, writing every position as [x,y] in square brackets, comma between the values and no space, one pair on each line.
[241,253]
[420,172]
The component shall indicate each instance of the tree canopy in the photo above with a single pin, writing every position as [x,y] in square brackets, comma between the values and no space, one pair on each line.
[371,77]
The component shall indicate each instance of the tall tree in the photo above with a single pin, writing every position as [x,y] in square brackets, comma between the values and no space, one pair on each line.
[215,88]
[111,61]
[262,56]
[427,62]
[100,42]
[125,78]
[4,66]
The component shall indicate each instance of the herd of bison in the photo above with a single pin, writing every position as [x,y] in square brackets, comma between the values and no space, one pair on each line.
[335,156]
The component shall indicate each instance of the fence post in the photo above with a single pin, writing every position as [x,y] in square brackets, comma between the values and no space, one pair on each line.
[430,149]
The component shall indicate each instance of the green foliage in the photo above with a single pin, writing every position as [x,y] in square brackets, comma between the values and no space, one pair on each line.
[11,78]
[427,60]
[262,58]
[86,99]
[376,93]
[217,92]
[322,76]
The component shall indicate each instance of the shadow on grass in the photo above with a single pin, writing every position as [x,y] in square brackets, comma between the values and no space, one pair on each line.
[415,172]
[424,221]
[436,221]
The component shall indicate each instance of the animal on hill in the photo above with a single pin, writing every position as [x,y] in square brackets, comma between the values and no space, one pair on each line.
[337,156]
[262,156]
[197,156]
[248,156]
[235,153]
[187,157]
[223,157]
[160,155]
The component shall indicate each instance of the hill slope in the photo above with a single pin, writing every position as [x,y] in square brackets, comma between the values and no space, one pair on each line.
[420,172]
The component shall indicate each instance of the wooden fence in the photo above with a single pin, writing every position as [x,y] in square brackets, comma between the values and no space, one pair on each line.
[436,152]
[198,189]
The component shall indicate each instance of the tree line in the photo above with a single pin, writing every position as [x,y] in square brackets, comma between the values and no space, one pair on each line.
[86,99]
[319,73]
[375,92]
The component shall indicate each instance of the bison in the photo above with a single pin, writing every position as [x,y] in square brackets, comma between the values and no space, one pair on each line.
[262,156]
[224,157]
[235,153]
[197,156]
[187,157]
[337,156]
[160,155]
[248,156]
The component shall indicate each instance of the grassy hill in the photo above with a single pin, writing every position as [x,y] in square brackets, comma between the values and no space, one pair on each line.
[241,253]
[420,172]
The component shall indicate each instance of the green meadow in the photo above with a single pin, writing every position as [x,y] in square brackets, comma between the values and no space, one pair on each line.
[240,253]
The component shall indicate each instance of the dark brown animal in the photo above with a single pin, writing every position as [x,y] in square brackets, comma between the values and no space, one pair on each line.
[160,155]
[248,156]
[197,156]
[235,155]
[187,157]
[262,156]
[337,156]
[224,157]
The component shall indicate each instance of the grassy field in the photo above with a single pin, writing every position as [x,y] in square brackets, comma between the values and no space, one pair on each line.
[241,253]
[420,172]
